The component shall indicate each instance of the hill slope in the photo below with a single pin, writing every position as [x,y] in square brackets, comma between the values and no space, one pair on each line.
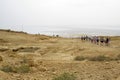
[48,57]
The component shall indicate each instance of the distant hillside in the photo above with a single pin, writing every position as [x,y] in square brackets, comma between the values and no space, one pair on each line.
[7,36]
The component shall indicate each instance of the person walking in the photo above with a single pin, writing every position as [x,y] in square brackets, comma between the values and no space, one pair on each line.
[107,40]
[102,41]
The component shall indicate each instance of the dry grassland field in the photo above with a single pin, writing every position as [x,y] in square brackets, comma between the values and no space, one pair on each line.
[26,56]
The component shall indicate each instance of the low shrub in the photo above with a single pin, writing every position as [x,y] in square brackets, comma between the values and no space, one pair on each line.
[7,68]
[65,76]
[22,69]
[28,61]
[100,58]
[79,58]
[96,58]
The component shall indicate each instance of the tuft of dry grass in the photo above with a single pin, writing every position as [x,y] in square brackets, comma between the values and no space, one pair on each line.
[7,68]
[23,68]
[96,58]
[100,58]
[79,58]
[65,76]
[25,49]
[28,61]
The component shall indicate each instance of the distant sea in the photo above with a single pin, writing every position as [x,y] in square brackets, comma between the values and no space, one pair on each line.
[81,32]
[68,32]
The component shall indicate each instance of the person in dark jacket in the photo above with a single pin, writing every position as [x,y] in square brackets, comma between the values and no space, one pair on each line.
[107,40]
[97,40]
[102,41]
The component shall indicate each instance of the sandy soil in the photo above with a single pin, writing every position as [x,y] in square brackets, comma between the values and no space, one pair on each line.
[50,56]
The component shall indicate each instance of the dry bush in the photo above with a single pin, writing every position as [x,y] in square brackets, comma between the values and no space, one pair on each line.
[23,68]
[79,58]
[28,61]
[96,58]
[65,76]
[7,68]
[100,58]
[25,49]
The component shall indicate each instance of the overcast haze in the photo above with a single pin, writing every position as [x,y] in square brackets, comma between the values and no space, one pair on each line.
[59,14]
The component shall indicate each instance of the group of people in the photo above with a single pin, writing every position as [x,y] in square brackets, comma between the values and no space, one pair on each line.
[99,40]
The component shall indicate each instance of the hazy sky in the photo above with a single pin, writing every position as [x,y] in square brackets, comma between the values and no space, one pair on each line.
[66,14]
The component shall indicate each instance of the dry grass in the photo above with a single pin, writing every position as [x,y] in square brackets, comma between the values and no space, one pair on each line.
[7,68]
[97,58]
[65,76]
[23,68]
[80,58]
[26,49]
[43,53]
[100,58]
